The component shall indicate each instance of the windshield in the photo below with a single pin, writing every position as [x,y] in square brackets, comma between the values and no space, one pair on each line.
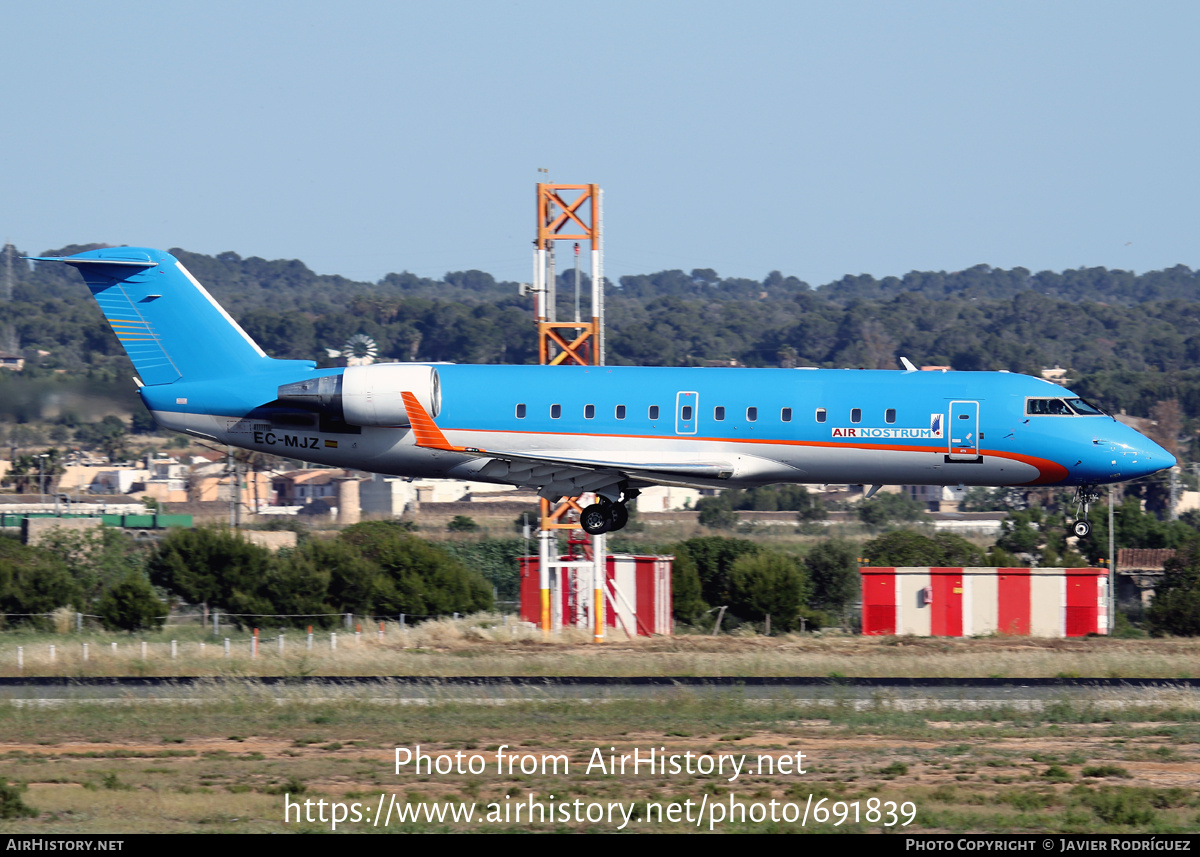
[1062,408]
[1047,407]
[1082,406]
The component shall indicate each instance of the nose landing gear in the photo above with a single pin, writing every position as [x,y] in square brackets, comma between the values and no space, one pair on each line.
[1085,496]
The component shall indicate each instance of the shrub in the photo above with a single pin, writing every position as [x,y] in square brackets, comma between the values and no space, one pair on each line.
[131,605]
[11,805]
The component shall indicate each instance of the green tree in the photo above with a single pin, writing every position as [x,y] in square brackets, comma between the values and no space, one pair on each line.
[462,524]
[33,581]
[883,509]
[419,578]
[832,568]
[214,567]
[768,584]
[1176,605]
[495,559]
[713,558]
[904,548]
[108,436]
[687,603]
[131,605]
[37,472]
[98,558]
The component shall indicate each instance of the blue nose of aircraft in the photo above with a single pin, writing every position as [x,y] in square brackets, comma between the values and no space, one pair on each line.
[1132,455]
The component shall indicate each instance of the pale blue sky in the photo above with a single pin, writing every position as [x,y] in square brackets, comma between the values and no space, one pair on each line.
[818,139]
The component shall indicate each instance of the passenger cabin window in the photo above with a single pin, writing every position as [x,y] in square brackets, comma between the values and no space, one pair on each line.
[589,412]
[1047,407]
[719,413]
[555,411]
[686,413]
[654,412]
[856,415]
[751,414]
[821,415]
[889,415]
[786,415]
[620,412]
[520,412]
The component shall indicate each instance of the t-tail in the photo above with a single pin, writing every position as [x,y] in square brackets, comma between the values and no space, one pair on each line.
[168,323]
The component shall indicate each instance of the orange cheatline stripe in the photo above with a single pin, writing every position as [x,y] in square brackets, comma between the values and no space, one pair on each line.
[1051,472]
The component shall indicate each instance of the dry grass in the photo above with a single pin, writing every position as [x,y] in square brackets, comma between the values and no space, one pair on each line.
[225,762]
[488,644]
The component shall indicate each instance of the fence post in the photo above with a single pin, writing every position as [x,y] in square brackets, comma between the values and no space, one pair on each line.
[333,641]
[310,637]
[254,644]
[20,657]
[227,647]
[281,644]
[174,650]
[51,653]
[85,651]
[143,650]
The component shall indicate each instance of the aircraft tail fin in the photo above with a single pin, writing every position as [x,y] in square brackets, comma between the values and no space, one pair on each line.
[168,323]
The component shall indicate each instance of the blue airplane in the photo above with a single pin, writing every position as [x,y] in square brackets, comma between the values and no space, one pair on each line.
[608,430]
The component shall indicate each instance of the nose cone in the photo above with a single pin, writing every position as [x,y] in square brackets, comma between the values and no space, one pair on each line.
[1156,458]
[1139,456]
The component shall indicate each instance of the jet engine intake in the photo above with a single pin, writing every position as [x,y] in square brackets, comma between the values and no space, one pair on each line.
[368,395]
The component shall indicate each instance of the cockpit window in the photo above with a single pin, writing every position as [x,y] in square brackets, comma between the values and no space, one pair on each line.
[1082,406]
[1062,408]
[1047,407]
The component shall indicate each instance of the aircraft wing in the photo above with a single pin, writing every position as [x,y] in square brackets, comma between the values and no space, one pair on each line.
[568,471]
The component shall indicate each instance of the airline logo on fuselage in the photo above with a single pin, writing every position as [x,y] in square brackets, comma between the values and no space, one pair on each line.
[893,432]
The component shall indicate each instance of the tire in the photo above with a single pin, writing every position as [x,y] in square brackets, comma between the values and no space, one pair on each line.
[1082,528]
[620,516]
[595,519]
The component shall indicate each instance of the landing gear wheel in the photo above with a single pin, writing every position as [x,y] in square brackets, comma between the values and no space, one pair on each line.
[620,516]
[1085,496]
[596,519]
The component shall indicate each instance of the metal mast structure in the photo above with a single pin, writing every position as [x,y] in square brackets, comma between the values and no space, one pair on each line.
[568,212]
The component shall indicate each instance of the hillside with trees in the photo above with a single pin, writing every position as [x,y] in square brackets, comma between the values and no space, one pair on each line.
[1130,341]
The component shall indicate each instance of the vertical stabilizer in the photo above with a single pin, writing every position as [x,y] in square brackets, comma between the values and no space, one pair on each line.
[168,323]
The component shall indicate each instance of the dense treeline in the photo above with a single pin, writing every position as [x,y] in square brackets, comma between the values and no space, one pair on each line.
[1133,339]
[374,569]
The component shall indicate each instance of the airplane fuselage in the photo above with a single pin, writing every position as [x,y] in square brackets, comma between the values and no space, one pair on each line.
[566,431]
[753,426]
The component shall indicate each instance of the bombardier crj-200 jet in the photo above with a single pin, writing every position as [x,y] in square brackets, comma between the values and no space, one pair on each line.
[607,430]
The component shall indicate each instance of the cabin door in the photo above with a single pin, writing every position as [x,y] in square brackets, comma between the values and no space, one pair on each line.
[963,431]
[686,405]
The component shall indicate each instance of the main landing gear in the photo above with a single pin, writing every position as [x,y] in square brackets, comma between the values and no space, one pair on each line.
[1085,496]
[605,516]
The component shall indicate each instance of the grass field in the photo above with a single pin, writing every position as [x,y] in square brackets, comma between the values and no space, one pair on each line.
[232,758]
[492,645]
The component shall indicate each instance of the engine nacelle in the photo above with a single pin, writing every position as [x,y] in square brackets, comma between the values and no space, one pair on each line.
[368,395]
